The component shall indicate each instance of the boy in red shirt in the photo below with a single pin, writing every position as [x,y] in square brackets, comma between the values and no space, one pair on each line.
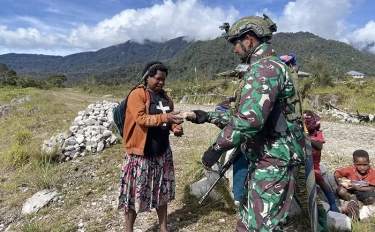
[358,184]
[312,122]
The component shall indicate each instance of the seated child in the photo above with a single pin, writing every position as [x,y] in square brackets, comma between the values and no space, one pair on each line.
[356,183]
[312,122]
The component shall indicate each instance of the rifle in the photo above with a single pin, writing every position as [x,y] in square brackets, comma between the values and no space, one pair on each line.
[231,160]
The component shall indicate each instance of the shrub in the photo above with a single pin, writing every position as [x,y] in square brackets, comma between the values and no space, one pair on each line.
[18,156]
[21,137]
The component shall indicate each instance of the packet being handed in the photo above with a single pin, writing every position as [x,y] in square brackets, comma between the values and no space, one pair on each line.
[189,115]
[361,183]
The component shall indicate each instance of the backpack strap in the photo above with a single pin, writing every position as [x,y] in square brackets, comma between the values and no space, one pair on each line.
[295,99]
[234,105]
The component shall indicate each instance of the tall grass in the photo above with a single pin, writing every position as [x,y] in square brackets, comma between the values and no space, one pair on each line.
[24,166]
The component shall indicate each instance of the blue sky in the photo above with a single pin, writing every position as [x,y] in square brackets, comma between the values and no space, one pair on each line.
[62,27]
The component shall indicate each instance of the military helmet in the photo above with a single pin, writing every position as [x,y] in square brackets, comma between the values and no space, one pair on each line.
[262,27]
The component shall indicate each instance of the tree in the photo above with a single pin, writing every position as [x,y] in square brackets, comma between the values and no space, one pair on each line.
[321,72]
[3,68]
[9,77]
[57,80]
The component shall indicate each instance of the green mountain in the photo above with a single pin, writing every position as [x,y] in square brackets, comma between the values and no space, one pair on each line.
[80,65]
[125,61]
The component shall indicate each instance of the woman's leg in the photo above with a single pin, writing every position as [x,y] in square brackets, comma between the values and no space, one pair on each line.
[162,215]
[130,216]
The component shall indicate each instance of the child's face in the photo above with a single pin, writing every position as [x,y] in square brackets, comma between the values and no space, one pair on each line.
[362,165]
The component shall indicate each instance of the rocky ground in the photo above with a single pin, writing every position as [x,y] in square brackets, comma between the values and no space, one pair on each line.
[96,206]
[341,140]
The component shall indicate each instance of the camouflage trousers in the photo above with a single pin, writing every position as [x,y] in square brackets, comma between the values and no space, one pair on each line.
[267,197]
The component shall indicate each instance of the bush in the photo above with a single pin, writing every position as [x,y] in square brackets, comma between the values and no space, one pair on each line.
[21,137]
[18,156]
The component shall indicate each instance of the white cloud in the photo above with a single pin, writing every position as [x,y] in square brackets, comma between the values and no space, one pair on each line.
[364,36]
[326,19]
[171,19]
[320,17]
[52,10]
[158,23]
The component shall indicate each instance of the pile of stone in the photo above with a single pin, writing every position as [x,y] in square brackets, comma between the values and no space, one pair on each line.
[5,109]
[90,132]
[342,116]
[345,116]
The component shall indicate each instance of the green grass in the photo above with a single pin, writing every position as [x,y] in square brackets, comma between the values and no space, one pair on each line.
[354,96]
[25,170]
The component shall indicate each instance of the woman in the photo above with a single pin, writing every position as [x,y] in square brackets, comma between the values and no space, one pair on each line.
[147,179]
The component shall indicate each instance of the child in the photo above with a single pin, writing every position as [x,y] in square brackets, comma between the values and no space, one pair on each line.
[312,122]
[357,183]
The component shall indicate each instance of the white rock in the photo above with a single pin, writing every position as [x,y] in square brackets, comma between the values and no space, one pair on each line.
[71,141]
[80,138]
[73,128]
[107,133]
[113,139]
[37,201]
[366,211]
[339,221]
[100,146]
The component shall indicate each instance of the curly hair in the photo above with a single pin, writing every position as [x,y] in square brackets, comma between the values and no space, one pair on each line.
[361,154]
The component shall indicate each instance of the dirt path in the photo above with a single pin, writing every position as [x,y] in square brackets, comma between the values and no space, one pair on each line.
[95,204]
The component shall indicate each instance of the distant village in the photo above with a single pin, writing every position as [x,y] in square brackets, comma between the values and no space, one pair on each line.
[353,74]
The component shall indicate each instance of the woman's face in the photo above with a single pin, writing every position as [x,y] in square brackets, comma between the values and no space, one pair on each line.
[157,82]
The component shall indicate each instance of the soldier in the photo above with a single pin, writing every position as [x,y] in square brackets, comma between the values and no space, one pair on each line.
[264,124]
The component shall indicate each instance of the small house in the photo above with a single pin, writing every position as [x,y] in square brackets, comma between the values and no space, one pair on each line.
[355,74]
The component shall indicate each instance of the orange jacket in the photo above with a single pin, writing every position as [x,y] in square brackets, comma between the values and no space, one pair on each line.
[138,120]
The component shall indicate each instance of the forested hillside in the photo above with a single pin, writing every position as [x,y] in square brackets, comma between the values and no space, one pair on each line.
[80,65]
[125,61]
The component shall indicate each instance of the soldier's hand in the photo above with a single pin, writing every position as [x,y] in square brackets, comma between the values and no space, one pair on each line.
[200,117]
[210,157]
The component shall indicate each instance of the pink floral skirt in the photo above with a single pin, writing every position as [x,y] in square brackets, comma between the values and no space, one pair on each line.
[146,182]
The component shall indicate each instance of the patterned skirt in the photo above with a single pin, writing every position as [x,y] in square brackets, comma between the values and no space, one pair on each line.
[146,182]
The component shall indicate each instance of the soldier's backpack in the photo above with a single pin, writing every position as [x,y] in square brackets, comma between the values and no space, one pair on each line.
[290,61]
[310,182]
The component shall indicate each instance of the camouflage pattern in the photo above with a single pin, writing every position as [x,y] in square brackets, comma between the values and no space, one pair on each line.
[302,197]
[262,27]
[274,161]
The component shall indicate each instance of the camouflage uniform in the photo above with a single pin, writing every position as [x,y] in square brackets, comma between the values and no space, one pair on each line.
[274,159]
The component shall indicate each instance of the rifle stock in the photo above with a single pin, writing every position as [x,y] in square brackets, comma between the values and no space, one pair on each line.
[232,158]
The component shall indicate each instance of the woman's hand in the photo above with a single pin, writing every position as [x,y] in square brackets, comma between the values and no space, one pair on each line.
[173,117]
[178,133]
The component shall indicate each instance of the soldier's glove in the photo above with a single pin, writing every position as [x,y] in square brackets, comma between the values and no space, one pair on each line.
[210,157]
[200,117]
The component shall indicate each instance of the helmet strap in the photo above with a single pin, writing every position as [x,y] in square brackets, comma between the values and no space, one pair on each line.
[245,57]
[242,46]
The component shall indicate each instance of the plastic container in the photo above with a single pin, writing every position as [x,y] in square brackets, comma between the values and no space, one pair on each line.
[362,183]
